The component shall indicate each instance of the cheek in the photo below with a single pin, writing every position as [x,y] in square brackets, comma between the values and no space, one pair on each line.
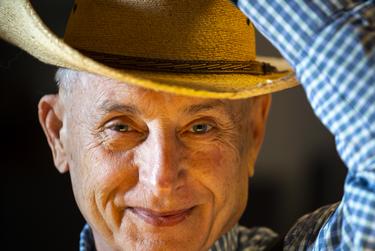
[107,170]
[218,167]
[222,175]
[98,175]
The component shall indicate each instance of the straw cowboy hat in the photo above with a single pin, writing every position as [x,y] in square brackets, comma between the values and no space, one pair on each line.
[203,48]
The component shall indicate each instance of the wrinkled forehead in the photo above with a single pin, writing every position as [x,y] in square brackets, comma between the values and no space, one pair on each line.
[86,90]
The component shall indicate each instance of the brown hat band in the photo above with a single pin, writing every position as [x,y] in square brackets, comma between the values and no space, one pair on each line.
[181,66]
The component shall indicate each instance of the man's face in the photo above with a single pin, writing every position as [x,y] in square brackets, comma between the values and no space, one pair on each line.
[155,171]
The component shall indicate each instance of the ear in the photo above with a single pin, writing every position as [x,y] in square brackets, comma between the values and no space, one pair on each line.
[259,114]
[50,118]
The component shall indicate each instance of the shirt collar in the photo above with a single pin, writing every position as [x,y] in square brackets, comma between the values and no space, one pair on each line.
[227,242]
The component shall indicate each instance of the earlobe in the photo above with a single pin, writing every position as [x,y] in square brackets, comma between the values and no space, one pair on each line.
[51,122]
[251,168]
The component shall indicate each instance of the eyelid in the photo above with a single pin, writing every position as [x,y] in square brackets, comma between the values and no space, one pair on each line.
[123,120]
[205,120]
[116,122]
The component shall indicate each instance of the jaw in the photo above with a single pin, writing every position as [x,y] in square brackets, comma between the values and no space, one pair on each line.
[134,233]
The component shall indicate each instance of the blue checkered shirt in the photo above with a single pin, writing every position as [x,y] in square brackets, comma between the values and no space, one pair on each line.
[238,238]
[331,46]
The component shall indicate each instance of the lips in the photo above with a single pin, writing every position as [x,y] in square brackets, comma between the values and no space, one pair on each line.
[161,219]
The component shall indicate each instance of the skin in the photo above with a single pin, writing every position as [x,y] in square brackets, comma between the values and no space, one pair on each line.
[126,147]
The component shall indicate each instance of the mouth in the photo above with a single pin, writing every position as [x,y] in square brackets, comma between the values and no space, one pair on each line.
[161,219]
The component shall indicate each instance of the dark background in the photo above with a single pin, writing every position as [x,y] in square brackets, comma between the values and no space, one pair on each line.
[297,172]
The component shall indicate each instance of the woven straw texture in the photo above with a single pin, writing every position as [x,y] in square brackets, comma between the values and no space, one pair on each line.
[190,31]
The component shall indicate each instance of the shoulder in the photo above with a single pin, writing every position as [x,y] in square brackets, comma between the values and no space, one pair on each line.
[257,238]
[306,229]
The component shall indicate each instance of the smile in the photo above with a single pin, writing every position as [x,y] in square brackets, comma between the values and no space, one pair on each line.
[161,219]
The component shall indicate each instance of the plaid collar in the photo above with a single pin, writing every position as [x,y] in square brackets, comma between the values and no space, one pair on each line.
[228,242]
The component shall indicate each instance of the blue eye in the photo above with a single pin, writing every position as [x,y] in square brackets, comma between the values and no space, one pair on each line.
[121,128]
[200,128]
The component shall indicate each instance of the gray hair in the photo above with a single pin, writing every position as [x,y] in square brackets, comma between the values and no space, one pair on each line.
[65,77]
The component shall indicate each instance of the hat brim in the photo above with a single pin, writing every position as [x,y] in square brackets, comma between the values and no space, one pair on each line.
[20,25]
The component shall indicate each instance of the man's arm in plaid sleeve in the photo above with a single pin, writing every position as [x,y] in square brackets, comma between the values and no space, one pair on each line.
[331,45]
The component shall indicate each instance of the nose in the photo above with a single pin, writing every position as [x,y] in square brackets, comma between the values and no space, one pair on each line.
[159,162]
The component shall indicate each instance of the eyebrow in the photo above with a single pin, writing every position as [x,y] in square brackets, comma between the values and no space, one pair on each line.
[206,106]
[109,106]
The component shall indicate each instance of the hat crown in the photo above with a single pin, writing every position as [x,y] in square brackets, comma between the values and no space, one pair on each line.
[166,29]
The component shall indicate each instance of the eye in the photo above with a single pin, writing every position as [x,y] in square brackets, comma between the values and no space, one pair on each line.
[121,127]
[121,134]
[200,128]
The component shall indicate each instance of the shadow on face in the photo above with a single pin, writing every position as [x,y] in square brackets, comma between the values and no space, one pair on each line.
[152,170]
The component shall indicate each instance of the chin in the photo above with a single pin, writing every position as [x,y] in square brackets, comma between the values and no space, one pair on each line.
[158,245]
[137,233]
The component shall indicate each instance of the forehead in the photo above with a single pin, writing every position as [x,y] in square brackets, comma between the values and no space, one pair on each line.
[106,95]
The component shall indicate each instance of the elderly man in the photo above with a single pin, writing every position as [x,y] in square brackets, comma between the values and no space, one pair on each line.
[161,115]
